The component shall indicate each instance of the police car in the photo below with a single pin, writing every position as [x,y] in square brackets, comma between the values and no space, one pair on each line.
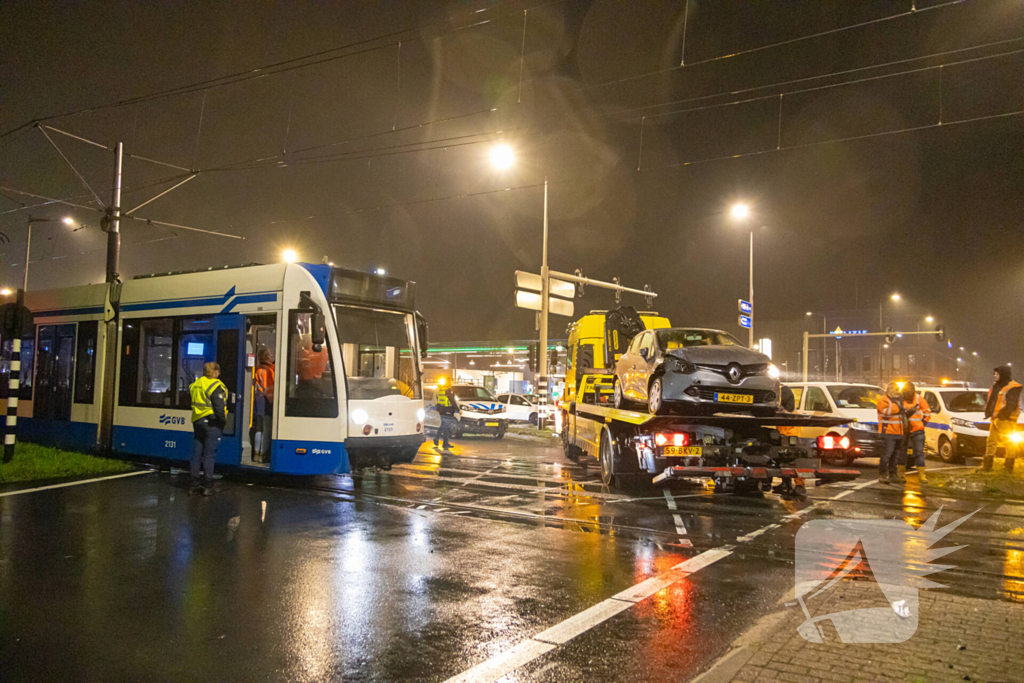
[958,427]
[481,412]
[842,399]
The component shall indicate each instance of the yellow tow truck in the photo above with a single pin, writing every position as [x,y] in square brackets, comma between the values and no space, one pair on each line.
[739,452]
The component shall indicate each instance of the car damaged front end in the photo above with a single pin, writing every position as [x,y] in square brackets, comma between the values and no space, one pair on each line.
[726,379]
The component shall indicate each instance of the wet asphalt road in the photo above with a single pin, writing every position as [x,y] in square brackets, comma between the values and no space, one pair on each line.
[421,573]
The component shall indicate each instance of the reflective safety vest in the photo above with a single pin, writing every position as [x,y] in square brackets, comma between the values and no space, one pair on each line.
[442,399]
[918,419]
[888,416]
[1001,402]
[202,391]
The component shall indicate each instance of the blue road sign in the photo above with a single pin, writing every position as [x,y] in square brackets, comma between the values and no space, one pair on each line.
[746,308]
[745,321]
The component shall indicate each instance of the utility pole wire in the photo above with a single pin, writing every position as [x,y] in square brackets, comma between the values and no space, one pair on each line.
[153,199]
[772,45]
[277,67]
[134,218]
[81,178]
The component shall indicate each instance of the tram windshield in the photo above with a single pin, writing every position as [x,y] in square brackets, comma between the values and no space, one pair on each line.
[379,350]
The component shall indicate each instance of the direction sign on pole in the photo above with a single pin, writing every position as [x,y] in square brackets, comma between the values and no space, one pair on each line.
[745,321]
[746,308]
[531,300]
[532,282]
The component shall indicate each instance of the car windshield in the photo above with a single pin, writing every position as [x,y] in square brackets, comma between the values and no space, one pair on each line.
[861,396]
[965,401]
[676,338]
[473,393]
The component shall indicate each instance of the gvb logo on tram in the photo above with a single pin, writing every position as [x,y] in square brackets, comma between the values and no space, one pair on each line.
[341,351]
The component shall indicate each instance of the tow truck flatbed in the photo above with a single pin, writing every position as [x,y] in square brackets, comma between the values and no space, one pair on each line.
[738,451]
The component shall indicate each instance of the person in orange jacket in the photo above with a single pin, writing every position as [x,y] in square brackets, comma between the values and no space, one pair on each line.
[263,414]
[918,413]
[890,425]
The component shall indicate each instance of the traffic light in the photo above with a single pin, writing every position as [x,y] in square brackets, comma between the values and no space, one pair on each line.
[940,334]
[552,361]
[534,355]
[890,336]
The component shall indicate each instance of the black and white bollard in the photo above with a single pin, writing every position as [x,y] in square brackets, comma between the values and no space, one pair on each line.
[10,434]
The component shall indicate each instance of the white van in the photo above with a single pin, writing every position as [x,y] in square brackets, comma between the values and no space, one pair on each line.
[958,427]
[841,399]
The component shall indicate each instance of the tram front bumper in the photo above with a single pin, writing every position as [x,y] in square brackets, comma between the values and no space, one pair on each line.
[382,451]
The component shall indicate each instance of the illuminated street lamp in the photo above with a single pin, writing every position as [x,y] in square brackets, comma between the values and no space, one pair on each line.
[6,291]
[740,212]
[929,319]
[289,256]
[502,158]
[974,353]
[66,220]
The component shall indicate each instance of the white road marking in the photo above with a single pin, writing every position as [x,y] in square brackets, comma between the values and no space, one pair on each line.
[263,514]
[854,489]
[73,483]
[676,519]
[530,649]
[754,534]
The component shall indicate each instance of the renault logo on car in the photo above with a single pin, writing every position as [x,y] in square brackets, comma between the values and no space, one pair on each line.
[734,373]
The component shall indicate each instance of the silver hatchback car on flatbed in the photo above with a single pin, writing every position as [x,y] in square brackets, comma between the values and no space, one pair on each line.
[696,371]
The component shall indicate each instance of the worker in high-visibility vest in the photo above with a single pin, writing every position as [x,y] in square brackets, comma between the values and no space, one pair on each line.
[1003,408]
[447,410]
[918,413]
[209,417]
[890,424]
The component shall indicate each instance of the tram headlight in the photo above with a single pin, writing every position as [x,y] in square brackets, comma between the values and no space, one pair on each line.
[420,414]
[359,416]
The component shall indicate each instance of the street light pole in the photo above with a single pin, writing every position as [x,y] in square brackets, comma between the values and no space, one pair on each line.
[751,329]
[542,381]
[113,220]
[28,248]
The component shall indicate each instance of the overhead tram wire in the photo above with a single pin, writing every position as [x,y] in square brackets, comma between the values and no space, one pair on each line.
[760,48]
[287,65]
[805,79]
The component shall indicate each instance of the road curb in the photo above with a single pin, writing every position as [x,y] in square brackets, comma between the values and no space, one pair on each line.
[534,439]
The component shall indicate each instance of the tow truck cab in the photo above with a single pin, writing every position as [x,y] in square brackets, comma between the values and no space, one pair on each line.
[597,340]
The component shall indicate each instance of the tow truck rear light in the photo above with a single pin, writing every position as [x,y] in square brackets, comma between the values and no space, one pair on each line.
[680,439]
[830,442]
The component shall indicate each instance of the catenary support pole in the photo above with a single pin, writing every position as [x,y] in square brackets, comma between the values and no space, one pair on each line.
[751,328]
[113,223]
[806,339]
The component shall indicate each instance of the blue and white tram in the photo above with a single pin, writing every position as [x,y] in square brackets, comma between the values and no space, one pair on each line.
[348,390]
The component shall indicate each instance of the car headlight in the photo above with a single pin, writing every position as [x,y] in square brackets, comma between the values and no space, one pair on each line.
[863,427]
[359,416]
[420,414]
[773,371]
[682,366]
[960,422]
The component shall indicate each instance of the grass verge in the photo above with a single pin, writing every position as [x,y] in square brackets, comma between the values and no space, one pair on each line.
[32,461]
[995,484]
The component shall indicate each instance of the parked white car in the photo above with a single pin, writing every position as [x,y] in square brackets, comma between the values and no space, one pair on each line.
[519,408]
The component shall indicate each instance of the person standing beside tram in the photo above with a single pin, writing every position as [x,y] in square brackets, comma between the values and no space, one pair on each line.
[209,417]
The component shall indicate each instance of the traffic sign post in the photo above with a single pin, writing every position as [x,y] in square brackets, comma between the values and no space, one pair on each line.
[746,308]
[745,321]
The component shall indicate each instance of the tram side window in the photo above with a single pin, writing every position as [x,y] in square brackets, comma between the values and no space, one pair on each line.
[85,368]
[310,389]
[195,349]
[147,362]
[27,357]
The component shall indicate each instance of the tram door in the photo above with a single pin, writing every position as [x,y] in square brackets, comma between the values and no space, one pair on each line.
[55,363]
[230,332]
[256,411]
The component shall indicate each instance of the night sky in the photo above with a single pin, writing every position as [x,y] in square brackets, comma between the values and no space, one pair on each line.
[592,95]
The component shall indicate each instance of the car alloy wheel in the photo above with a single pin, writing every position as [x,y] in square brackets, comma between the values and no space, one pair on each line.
[654,397]
[617,394]
[607,459]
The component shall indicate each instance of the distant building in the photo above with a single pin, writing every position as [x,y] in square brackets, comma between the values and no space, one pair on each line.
[849,357]
[501,366]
